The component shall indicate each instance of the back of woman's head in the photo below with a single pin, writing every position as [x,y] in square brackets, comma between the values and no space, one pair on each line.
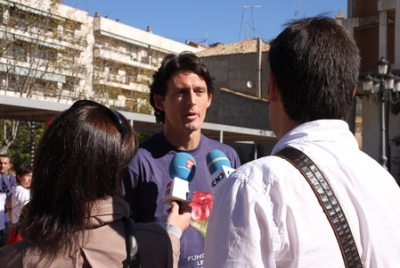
[78,161]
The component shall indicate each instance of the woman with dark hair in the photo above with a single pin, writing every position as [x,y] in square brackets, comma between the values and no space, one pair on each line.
[76,216]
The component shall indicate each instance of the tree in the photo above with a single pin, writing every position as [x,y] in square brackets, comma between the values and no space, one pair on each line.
[20,150]
[8,135]
[41,56]
[48,52]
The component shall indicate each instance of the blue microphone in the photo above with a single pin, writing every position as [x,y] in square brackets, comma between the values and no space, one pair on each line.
[181,170]
[220,169]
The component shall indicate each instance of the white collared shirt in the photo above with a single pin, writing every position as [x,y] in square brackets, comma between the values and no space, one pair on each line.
[266,215]
[20,197]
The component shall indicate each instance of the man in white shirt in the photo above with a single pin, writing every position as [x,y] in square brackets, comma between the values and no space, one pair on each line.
[266,214]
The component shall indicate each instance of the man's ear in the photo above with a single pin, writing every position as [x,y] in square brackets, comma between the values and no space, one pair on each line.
[273,93]
[210,96]
[354,92]
[158,102]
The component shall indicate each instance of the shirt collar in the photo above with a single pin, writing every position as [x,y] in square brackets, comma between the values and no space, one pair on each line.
[318,130]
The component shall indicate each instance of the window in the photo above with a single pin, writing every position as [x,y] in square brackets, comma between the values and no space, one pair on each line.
[44,53]
[18,18]
[134,53]
[18,51]
[99,64]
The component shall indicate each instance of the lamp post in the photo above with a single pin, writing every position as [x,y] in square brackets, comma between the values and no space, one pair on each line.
[381,87]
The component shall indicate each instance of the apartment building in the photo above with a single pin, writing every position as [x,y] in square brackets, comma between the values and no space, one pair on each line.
[54,52]
[375,25]
[124,61]
[40,45]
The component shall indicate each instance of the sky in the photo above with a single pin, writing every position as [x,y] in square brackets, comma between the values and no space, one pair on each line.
[210,21]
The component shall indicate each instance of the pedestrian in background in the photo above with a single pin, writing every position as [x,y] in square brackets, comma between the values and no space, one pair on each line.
[17,199]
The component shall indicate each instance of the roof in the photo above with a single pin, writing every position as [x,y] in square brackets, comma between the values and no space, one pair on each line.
[36,110]
[242,47]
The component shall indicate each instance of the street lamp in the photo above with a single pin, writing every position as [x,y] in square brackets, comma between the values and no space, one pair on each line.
[384,88]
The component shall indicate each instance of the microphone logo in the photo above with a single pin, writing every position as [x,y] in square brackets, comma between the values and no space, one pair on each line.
[181,170]
[219,167]
[189,163]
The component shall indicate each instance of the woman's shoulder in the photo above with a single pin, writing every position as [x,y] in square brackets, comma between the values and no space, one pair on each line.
[12,256]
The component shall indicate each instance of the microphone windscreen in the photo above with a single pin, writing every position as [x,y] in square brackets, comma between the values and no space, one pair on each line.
[216,159]
[183,166]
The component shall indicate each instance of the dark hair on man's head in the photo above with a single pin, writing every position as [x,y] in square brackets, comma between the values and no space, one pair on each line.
[78,162]
[23,170]
[316,63]
[171,64]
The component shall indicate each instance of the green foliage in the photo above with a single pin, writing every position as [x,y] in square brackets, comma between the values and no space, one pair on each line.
[21,149]
[143,136]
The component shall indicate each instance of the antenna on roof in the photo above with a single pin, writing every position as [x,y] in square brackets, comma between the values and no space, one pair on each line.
[244,7]
[297,8]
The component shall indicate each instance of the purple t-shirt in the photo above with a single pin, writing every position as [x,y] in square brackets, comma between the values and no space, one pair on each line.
[144,185]
[7,183]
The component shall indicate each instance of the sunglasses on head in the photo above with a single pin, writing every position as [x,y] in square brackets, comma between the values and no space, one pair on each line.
[113,115]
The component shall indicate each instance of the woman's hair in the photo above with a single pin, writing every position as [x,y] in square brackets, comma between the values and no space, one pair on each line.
[78,161]
[23,170]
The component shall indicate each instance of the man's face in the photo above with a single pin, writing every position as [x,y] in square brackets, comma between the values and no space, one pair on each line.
[4,165]
[185,103]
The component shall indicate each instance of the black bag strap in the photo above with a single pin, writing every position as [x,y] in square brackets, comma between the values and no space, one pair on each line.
[329,203]
[131,244]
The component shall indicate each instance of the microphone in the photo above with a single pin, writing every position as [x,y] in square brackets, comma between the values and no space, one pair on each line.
[220,169]
[181,170]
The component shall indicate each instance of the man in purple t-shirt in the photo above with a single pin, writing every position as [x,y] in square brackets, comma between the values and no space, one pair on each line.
[180,94]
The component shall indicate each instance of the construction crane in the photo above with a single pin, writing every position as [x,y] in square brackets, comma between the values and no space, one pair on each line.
[244,7]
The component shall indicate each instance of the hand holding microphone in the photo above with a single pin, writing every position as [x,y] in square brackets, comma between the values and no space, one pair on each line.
[220,169]
[178,217]
[181,170]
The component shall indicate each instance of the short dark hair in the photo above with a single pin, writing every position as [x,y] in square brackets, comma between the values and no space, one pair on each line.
[78,161]
[171,64]
[23,169]
[316,63]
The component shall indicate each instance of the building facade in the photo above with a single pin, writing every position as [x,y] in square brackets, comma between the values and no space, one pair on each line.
[54,52]
[375,25]
[241,73]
